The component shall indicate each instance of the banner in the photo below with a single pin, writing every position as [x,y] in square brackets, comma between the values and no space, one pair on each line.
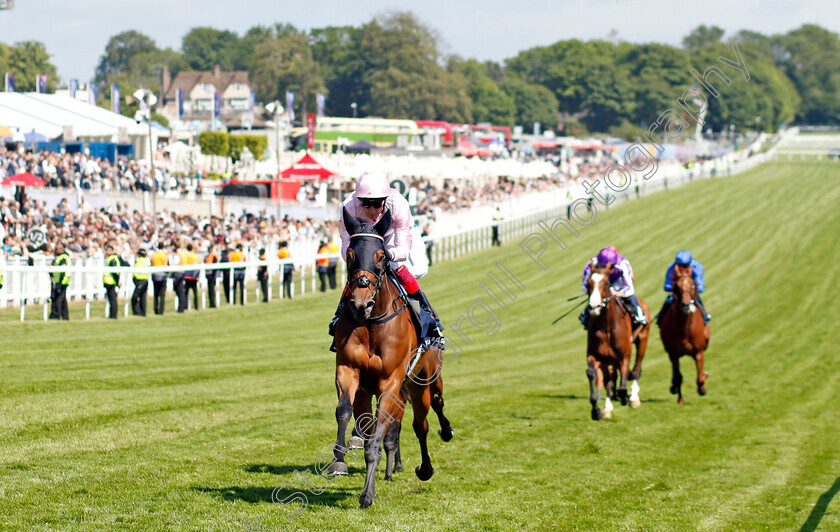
[290,106]
[92,90]
[310,133]
[42,83]
[253,102]
[72,87]
[179,102]
[115,99]
[321,104]
[217,105]
[10,82]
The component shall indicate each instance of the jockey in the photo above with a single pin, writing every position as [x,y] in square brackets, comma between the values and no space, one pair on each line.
[372,197]
[622,284]
[684,258]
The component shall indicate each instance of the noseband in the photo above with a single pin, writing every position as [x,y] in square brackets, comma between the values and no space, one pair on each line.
[692,301]
[362,281]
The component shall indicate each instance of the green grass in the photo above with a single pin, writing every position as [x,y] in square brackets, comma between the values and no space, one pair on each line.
[188,422]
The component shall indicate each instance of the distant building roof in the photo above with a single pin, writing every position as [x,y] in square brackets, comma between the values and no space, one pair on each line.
[188,80]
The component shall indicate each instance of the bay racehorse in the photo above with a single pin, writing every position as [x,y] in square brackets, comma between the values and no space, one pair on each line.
[683,331]
[610,345]
[376,355]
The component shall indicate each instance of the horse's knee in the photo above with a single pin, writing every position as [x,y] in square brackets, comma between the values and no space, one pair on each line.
[344,410]
[591,372]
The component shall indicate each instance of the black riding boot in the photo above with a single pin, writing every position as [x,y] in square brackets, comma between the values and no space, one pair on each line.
[706,317]
[420,296]
[665,305]
[584,317]
[338,312]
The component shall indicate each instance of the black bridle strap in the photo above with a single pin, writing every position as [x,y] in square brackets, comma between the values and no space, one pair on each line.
[386,318]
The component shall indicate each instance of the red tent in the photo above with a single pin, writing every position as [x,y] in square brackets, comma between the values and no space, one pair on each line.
[306,168]
[24,180]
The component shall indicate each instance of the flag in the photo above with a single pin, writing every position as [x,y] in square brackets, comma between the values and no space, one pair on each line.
[115,99]
[253,101]
[42,83]
[321,104]
[10,82]
[217,105]
[72,86]
[179,102]
[92,89]
[290,105]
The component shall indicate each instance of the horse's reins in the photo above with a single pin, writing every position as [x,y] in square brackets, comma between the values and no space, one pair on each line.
[384,317]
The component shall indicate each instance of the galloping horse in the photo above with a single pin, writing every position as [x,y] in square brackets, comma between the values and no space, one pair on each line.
[683,331]
[375,347]
[610,344]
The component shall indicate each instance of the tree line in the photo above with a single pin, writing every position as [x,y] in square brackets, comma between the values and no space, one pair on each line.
[393,67]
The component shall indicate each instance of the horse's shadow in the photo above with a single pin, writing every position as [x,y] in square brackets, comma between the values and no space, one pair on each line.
[289,469]
[296,496]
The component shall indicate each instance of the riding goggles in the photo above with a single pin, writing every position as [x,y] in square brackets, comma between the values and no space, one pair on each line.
[372,202]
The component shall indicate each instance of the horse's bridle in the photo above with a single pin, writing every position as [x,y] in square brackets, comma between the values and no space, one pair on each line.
[692,301]
[364,282]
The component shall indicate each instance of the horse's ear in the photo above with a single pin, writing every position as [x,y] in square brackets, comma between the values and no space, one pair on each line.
[383,224]
[350,221]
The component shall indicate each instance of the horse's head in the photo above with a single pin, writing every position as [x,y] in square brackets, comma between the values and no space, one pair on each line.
[685,289]
[366,261]
[599,287]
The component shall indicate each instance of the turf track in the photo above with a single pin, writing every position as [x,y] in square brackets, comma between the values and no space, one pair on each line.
[188,422]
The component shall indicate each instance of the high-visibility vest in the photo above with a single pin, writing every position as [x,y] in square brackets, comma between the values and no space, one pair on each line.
[283,254]
[211,259]
[333,248]
[323,261]
[142,262]
[191,258]
[159,258]
[111,261]
[61,277]
[238,256]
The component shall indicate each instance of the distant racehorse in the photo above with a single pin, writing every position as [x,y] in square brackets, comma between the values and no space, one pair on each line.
[683,331]
[610,345]
[375,341]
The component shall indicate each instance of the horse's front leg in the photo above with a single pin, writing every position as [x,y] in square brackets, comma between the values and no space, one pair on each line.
[676,377]
[701,375]
[625,374]
[389,409]
[346,384]
[595,381]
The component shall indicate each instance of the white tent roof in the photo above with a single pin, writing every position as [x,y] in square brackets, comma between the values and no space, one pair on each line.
[49,113]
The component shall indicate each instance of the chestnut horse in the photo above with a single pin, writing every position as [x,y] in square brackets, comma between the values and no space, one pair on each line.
[375,347]
[683,331]
[610,345]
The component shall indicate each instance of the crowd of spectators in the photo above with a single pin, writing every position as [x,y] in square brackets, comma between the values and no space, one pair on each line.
[84,231]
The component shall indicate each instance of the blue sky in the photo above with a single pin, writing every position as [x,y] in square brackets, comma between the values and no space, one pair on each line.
[75,31]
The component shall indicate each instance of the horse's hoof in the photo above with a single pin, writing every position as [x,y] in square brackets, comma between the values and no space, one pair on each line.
[607,414]
[398,467]
[674,390]
[446,435]
[622,395]
[365,501]
[338,468]
[389,477]
[680,401]
[701,390]
[424,474]
[355,443]
[635,404]
[597,414]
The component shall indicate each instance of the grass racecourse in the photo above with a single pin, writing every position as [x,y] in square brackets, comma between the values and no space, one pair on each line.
[189,422]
